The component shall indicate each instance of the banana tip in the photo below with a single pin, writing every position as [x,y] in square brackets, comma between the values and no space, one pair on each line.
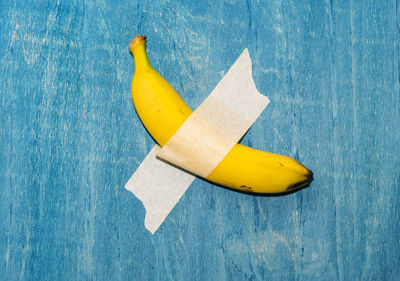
[136,41]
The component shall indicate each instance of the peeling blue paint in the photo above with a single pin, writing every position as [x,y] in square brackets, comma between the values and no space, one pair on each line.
[70,139]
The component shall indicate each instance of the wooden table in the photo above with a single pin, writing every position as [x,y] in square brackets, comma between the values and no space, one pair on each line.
[70,139]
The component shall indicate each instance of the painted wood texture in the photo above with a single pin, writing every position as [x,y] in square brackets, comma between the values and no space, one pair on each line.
[70,139]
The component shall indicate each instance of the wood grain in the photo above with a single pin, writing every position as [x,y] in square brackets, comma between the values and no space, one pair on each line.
[70,139]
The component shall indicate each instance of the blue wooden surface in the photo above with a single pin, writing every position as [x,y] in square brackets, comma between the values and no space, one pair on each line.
[70,139]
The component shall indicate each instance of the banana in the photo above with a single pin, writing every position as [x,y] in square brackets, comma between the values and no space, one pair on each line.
[163,111]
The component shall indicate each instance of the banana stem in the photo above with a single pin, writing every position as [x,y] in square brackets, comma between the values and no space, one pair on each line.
[138,50]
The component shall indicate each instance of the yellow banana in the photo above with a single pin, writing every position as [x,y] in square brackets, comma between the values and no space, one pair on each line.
[162,112]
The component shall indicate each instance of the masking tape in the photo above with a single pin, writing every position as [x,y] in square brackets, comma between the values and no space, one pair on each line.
[218,123]
[199,144]
[159,186]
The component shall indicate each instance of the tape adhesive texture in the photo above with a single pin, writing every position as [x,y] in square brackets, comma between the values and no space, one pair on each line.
[218,123]
[159,186]
[199,144]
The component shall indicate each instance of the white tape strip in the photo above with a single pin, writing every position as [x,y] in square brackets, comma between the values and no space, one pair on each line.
[218,123]
[159,186]
[221,120]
